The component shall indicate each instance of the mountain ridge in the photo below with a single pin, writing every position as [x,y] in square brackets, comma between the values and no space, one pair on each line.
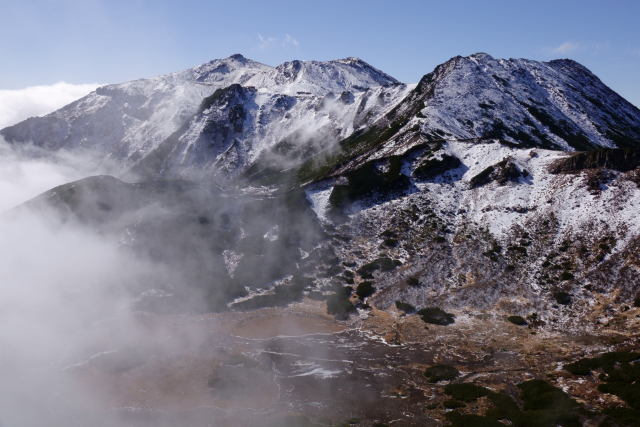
[315,107]
[130,120]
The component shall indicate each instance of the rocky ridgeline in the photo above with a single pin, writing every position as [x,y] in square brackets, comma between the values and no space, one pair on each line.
[464,191]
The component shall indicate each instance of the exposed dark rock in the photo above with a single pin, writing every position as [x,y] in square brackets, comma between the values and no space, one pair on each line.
[465,392]
[382,264]
[502,172]
[369,179]
[562,297]
[619,159]
[436,316]
[441,373]
[405,307]
[431,168]
[365,289]
[517,320]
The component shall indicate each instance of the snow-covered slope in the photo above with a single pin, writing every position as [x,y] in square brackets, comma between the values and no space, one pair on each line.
[129,121]
[557,104]
[321,78]
[484,224]
[242,126]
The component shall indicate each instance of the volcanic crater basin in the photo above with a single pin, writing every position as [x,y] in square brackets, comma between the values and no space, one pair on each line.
[297,366]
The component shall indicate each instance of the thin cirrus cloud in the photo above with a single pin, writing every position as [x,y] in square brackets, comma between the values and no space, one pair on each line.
[19,104]
[567,47]
[267,42]
[573,47]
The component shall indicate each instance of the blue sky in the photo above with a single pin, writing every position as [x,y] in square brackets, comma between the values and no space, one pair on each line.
[43,42]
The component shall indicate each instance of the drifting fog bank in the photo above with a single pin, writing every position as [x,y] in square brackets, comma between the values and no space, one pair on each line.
[26,171]
[105,286]
[20,104]
[59,282]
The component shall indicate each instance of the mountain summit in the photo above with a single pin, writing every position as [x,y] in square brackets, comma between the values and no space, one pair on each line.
[557,104]
[184,115]
[234,114]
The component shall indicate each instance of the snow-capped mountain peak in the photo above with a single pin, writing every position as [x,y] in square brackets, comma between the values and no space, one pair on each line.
[236,68]
[131,120]
[300,108]
[557,104]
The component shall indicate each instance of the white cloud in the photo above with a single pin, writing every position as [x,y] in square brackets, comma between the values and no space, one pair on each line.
[267,42]
[289,40]
[60,280]
[20,104]
[27,171]
[566,47]
[572,47]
